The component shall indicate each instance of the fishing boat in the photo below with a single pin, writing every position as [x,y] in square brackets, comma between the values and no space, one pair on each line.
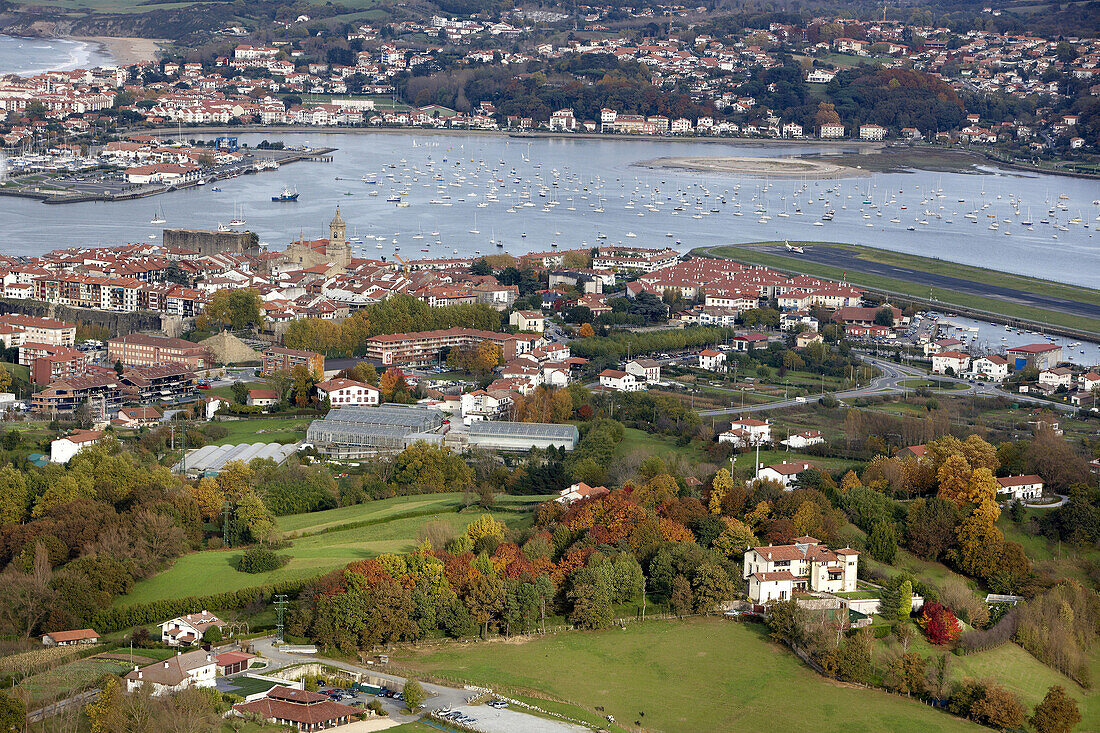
[286,195]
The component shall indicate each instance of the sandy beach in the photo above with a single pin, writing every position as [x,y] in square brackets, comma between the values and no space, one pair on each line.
[126,51]
[759,167]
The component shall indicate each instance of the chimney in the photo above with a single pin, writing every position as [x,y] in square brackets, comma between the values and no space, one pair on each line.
[140,674]
[166,665]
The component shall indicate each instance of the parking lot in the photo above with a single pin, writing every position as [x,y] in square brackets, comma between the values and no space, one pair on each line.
[509,720]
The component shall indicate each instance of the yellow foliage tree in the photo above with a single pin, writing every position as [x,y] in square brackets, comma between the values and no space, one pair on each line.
[719,488]
[586,331]
[954,477]
[735,539]
[209,496]
[484,526]
[850,481]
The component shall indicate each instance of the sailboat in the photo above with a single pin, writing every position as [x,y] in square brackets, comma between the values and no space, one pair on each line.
[238,219]
[158,217]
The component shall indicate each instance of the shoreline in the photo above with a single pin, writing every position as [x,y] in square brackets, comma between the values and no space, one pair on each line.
[796,168]
[122,49]
[858,147]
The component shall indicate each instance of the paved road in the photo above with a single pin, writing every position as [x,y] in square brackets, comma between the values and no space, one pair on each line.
[889,383]
[851,262]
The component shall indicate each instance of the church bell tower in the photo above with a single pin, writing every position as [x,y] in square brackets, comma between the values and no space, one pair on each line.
[337,249]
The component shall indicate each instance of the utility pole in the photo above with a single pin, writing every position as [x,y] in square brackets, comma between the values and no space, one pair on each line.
[280,606]
[225,523]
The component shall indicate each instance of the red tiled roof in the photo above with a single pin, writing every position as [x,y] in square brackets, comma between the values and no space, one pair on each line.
[1010,481]
[75,635]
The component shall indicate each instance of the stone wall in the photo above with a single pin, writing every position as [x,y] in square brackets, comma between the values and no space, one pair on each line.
[117,324]
[207,242]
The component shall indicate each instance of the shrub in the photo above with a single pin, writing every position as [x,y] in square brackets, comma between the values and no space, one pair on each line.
[999,633]
[261,560]
[956,594]
[376,707]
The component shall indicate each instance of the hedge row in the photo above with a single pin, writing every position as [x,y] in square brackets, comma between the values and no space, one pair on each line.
[155,612]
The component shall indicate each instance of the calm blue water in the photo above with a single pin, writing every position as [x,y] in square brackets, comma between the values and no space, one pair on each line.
[463,172]
[27,56]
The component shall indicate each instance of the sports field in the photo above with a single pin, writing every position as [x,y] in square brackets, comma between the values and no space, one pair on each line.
[703,674]
[325,541]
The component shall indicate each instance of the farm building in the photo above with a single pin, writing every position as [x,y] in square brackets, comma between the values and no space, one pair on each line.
[211,459]
[522,436]
[354,432]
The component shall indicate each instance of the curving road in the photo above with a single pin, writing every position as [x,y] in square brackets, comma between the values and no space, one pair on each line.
[889,382]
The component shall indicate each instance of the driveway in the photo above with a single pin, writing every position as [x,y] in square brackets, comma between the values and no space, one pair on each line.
[438,695]
[491,720]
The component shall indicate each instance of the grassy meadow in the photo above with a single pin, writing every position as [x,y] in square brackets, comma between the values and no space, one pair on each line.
[324,541]
[700,674]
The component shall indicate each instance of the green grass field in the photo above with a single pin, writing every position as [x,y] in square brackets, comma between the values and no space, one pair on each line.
[289,430]
[748,253]
[656,445]
[704,674]
[201,573]
[1021,673]
[771,457]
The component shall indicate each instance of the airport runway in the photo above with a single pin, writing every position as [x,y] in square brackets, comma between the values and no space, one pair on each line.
[852,263]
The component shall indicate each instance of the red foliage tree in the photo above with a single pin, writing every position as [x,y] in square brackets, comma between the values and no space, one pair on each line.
[940,624]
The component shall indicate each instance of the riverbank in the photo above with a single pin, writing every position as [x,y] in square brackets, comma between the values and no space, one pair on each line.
[860,145]
[986,294]
[759,167]
[125,51]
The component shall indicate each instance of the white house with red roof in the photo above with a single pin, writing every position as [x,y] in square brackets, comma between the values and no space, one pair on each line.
[747,433]
[994,367]
[784,474]
[579,491]
[63,449]
[188,630]
[620,381]
[956,361]
[1056,377]
[804,439]
[711,359]
[777,572]
[70,638]
[341,392]
[1022,488]
[1089,381]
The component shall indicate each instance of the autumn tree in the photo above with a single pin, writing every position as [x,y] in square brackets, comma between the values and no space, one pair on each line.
[939,623]
[720,486]
[304,382]
[1057,713]
[234,308]
[478,359]
[586,331]
[393,385]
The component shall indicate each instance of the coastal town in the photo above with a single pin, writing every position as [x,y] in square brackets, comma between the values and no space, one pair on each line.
[760,82]
[561,368]
[507,357]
